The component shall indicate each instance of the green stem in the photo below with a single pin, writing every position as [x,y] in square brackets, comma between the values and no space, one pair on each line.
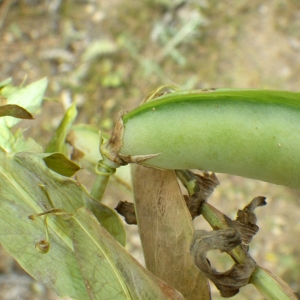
[104,170]
[270,286]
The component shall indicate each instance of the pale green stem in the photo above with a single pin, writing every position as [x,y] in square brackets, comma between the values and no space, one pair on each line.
[270,287]
[104,170]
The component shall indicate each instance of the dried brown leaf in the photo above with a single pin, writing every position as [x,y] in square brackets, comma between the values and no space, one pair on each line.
[126,209]
[166,231]
[228,282]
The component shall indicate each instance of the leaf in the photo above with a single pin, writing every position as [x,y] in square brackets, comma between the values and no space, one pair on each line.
[57,142]
[166,231]
[85,139]
[7,139]
[29,97]
[16,142]
[108,270]
[22,144]
[107,218]
[60,164]
[15,111]
[29,187]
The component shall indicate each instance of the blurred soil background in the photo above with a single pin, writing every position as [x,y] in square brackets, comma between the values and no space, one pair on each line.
[107,55]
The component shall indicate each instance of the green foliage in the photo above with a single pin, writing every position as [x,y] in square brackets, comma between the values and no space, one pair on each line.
[61,235]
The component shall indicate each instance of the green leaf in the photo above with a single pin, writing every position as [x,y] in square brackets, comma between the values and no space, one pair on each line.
[22,144]
[108,270]
[85,140]
[57,142]
[29,187]
[21,103]
[29,97]
[60,164]
[16,142]
[7,138]
[108,219]
[15,111]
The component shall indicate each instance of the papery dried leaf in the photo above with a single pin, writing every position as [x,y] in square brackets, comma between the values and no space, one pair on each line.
[207,183]
[166,231]
[126,209]
[193,204]
[247,215]
[111,147]
[245,222]
[199,187]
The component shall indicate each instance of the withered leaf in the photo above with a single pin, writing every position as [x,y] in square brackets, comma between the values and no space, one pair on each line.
[228,282]
[126,209]
[166,231]
[245,222]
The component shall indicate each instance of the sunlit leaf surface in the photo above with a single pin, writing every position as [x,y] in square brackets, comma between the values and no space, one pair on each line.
[111,272]
[29,97]
[21,103]
[28,187]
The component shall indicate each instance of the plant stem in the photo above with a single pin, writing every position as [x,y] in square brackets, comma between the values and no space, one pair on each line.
[271,286]
[104,170]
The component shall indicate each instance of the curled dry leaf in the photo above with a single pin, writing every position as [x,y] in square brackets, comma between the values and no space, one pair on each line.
[206,183]
[245,222]
[193,204]
[200,187]
[126,209]
[228,282]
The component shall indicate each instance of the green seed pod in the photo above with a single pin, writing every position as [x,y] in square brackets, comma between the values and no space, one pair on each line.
[250,133]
